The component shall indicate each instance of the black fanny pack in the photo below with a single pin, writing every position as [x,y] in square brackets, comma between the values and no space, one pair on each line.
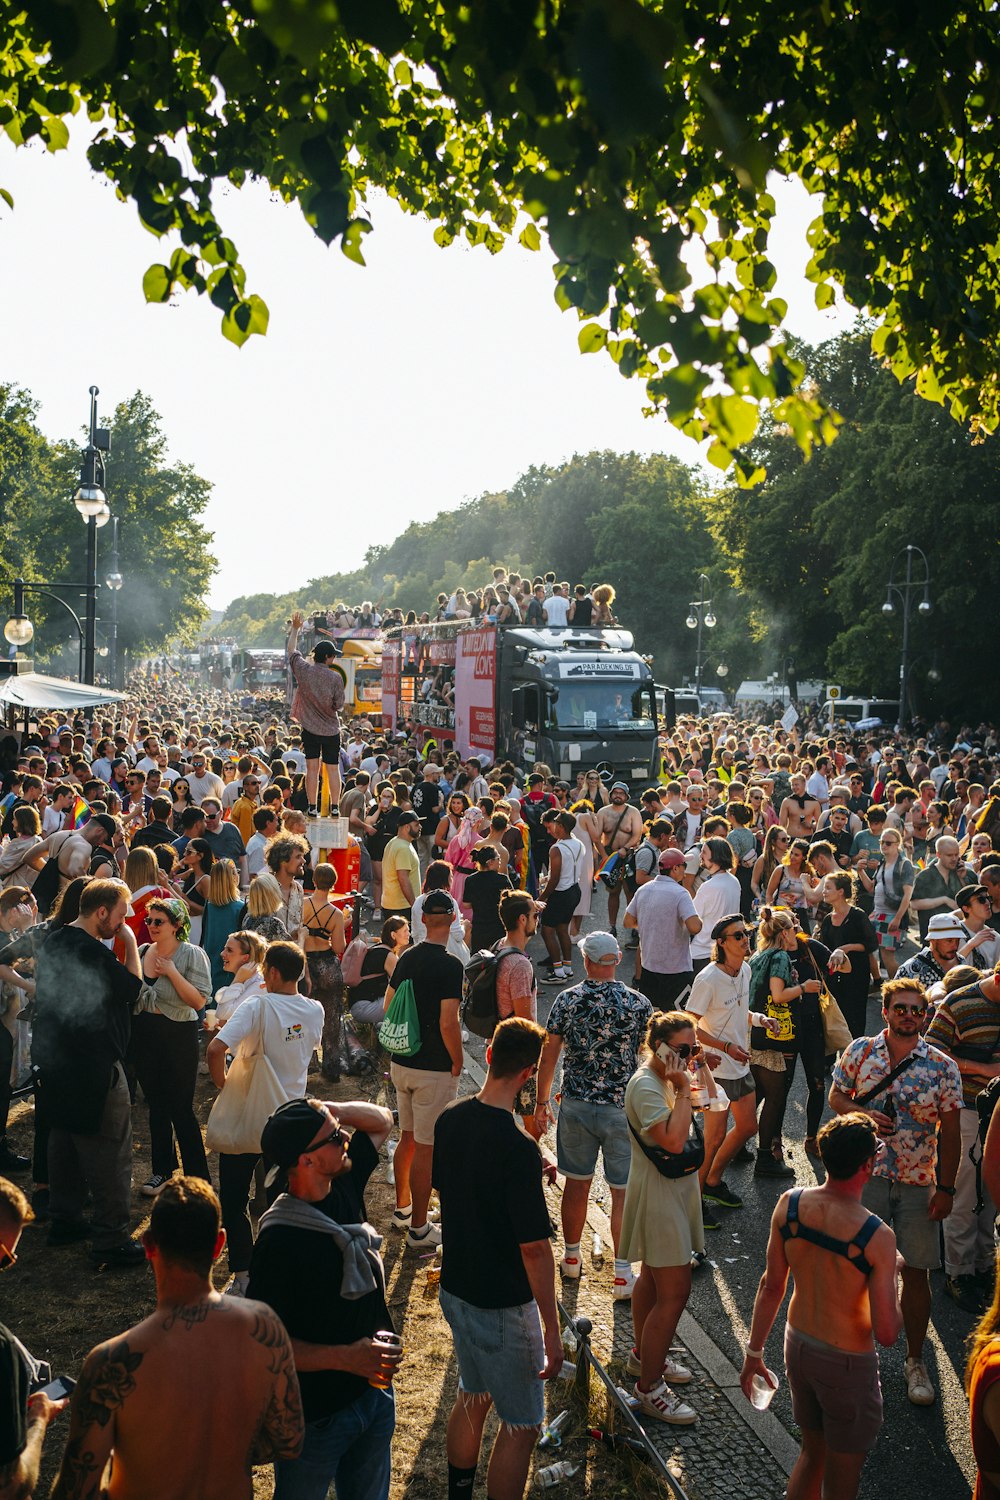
[675,1164]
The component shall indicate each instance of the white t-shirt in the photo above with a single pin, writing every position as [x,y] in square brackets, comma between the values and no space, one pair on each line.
[52,821]
[208,785]
[722,1001]
[819,788]
[717,897]
[293,1027]
[557,609]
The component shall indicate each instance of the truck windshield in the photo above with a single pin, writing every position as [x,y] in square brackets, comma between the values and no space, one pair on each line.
[602,704]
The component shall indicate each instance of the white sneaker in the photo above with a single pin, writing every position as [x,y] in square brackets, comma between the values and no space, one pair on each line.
[571,1267]
[401,1218]
[624,1286]
[661,1404]
[673,1372]
[427,1238]
[919,1386]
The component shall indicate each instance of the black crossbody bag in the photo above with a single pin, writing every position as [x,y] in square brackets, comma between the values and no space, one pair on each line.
[675,1164]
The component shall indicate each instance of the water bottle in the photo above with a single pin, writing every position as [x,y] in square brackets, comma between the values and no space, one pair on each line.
[552,1431]
[545,1479]
[762,1389]
[597,1252]
[390,1171]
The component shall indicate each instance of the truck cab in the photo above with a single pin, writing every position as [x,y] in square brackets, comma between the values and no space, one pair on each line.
[576,698]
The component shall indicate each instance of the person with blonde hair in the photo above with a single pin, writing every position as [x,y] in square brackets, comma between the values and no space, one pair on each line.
[604,598]
[241,957]
[224,911]
[142,876]
[264,902]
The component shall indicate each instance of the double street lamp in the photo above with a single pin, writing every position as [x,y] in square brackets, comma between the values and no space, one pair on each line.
[92,503]
[904,589]
[699,615]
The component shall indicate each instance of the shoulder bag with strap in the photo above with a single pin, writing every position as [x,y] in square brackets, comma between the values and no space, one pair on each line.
[675,1164]
[251,1094]
[883,1084]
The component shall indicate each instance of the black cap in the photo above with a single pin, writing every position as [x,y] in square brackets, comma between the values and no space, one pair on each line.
[105,821]
[289,1132]
[437,903]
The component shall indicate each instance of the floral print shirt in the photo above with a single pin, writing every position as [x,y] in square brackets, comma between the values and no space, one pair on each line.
[929,1088]
[602,1025]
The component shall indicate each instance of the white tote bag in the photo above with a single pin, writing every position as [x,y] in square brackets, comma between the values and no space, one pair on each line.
[251,1094]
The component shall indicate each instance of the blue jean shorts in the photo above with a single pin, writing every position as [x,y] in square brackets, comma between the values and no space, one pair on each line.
[904,1207]
[500,1351]
[583,1130]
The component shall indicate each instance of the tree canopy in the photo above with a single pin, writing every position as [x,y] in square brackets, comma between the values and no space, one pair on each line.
[636,136]
[812,547]
[164,549]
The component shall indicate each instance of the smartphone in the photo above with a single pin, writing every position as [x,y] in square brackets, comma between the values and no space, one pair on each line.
[63,1385]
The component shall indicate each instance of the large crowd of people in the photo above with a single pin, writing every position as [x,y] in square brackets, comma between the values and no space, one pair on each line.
[165,911]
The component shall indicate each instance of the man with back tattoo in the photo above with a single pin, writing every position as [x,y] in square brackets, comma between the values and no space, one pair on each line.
[184,1404]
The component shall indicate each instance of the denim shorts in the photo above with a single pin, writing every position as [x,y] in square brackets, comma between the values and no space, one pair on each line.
[904,1207]
[583,1130]
[500,1351]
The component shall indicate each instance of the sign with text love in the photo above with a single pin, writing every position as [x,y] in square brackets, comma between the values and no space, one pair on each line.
[475,692]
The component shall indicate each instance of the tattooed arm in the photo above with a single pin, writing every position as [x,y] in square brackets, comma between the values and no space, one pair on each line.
[106,1380]
[281,1427]
[19,1478]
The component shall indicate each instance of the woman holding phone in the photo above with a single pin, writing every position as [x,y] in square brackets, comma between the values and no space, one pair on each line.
[662,1221]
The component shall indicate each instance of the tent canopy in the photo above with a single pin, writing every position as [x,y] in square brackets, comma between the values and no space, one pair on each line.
[34,690]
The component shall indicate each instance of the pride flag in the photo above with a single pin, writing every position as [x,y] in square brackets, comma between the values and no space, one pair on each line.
[81,812]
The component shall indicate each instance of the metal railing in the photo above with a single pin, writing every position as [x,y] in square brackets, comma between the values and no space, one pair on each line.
[586,1360]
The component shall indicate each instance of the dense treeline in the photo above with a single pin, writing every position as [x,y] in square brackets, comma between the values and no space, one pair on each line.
[641,524]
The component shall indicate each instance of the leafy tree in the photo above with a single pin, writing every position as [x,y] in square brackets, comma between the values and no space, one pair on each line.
[814,544]
[637,137]
[164,549]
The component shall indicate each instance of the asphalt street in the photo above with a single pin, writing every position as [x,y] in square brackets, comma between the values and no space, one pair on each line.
[921,1450]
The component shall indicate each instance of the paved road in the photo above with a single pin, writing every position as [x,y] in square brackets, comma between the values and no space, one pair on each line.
[920,1450]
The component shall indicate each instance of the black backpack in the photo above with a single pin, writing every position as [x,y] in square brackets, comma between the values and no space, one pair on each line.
[479,991]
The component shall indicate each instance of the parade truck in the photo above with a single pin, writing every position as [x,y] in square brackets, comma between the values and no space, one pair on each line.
[573,698]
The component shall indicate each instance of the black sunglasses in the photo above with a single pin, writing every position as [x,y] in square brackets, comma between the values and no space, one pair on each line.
[741,936]
[909,1010]
[685,1050]
[336,1137]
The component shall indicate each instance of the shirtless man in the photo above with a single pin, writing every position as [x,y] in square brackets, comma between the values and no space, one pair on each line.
[844,1266]
[187,1401]
[620,827]
[799,812]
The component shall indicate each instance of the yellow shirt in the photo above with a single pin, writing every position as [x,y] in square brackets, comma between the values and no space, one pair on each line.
[399,855]
[241,817]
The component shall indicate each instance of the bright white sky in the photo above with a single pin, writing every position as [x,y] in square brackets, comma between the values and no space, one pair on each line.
[393,392]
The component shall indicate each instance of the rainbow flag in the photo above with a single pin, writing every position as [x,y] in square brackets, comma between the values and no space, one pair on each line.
[81,812]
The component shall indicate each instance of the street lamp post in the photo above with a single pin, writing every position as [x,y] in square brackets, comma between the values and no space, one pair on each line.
[19,630]
[904,590]
[91,501]
[700,613]
[114,582]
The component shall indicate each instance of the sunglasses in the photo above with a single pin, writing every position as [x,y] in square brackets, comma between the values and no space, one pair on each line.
[909,1010]
[157,922]
[336,1137]
[685,1050]
[736,937]
[7,1258]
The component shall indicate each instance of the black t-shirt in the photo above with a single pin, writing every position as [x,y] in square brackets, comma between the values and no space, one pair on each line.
[14,1391]
[856,928]
[298,1272]
[488,1175]
[482,893]
[428,800]
[83,1023]
[435,976]
[345,1202]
